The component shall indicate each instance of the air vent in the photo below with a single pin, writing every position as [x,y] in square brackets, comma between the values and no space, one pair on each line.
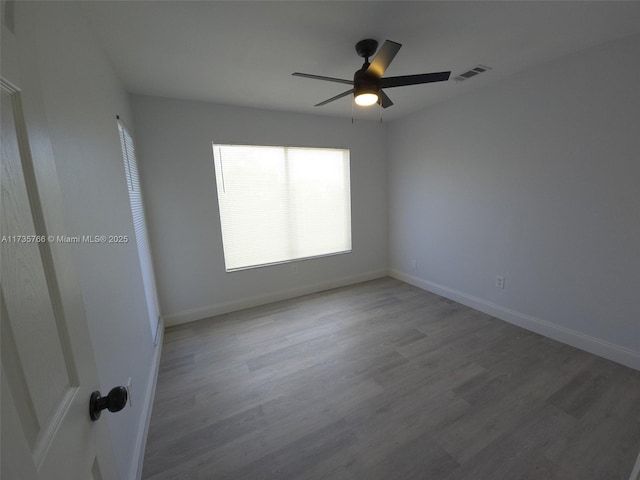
[477,70]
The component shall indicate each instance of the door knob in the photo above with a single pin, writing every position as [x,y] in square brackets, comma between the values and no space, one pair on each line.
[114,402]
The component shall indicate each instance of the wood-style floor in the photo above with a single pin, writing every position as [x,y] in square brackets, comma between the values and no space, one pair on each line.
[384,381]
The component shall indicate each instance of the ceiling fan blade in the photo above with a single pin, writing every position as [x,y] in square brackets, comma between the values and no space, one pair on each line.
[320,77]
[403,80]
[385,101]
[343,94]
[384,57]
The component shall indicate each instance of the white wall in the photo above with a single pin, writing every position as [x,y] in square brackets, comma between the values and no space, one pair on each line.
[536,178]
[81,96]
[174,146]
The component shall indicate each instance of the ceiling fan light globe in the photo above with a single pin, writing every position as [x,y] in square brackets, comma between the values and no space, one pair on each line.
[366,99]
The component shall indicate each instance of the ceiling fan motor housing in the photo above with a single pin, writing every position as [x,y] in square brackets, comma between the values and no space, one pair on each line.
[364,82]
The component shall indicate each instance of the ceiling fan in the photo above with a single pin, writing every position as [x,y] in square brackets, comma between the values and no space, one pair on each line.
[368,82]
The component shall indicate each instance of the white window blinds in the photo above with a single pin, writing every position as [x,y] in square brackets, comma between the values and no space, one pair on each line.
[279,204]
[140,226]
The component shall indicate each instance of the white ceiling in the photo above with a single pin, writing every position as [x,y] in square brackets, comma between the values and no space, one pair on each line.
[243,53]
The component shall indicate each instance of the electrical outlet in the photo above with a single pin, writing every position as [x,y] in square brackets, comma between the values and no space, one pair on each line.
[129,386]
[500,281]
[294,268]
[414,264]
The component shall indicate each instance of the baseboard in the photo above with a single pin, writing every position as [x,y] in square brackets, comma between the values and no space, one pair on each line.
[219,309]
[610,351]
[141,441]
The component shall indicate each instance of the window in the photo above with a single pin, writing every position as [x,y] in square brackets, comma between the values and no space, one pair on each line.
[139,226]
[279,204]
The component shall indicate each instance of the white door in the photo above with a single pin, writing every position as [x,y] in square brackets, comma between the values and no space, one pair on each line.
[48,366]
